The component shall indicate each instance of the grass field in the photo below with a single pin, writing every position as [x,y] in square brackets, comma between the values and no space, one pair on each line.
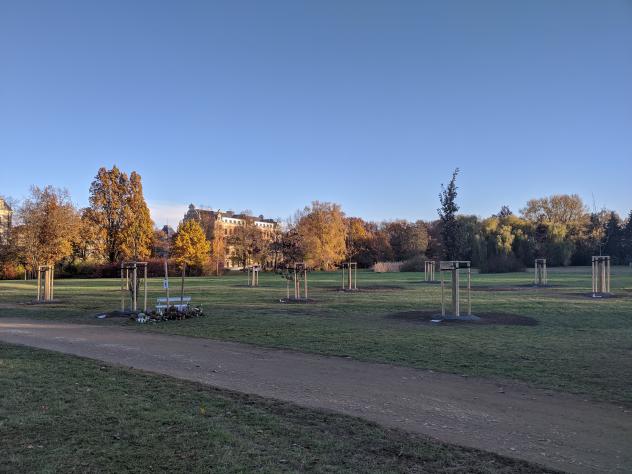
[580,344]
[61,413]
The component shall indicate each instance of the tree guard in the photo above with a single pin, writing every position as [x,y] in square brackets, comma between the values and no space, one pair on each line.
[429,270]
[45,282]
[297,274]
[349,276]
[455,267]
[540,273]
[253,275]
[130,285]
[600,276]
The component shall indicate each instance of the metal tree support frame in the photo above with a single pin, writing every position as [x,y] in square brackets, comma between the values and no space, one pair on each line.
[455,267]
[600,276]
[350,276]
[429,270]
[299,276]
[540,275]
[253,275]
[129,284]
[45,282]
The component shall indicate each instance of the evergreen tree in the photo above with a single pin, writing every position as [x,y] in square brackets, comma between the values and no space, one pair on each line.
[626,241]
[450,228]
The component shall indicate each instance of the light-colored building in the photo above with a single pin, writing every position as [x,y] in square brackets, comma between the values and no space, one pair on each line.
[223,224]
[6,214]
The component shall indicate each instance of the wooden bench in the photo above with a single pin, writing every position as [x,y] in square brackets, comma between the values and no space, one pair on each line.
[180,303]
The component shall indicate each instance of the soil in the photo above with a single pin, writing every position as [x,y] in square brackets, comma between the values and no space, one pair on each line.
[427,317]
[45,302]
[558,430]
[597,298]
[530,287]
[117,314]
[297,301]
[369,288]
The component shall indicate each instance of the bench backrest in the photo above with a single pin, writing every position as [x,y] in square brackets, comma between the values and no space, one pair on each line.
[175,299]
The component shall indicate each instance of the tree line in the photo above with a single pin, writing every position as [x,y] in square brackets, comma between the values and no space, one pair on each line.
[117,226]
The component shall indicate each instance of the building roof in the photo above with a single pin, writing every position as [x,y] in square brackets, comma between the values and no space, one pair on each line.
[230,214]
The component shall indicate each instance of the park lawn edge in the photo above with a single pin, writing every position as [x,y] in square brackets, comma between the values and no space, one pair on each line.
[128,410]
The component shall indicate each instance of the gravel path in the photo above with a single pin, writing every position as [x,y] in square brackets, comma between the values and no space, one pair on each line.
[557,430]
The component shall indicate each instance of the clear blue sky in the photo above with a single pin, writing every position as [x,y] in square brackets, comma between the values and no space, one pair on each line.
[268,105]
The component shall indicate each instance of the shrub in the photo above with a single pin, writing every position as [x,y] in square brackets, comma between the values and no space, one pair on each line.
[155,269]
[501,264]
[387,267]
[11,271]
[414,264]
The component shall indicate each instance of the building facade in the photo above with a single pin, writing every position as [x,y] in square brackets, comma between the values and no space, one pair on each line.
[6,214]
[223,224]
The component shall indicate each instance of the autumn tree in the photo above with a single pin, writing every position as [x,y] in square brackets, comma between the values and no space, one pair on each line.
[450,231]
[138,230]
[563,210]
[248,244]
[49,224]
[120,215]
[406,239]
[321,229]
[218,254]
[87,244]
[190,245]
[359,240]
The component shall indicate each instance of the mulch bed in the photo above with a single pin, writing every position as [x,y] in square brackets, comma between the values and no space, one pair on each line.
[45,302]
[366,288]
[295,301]
[116,314]
[530,286]
[426,317]
[597,298]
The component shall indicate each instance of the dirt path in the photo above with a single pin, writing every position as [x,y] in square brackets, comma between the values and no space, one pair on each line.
[557,430]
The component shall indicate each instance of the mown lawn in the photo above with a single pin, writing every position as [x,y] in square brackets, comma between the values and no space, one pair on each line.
[60,413]
[580,344]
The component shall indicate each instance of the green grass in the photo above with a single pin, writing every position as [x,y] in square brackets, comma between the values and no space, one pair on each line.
[580,344]
[60,413]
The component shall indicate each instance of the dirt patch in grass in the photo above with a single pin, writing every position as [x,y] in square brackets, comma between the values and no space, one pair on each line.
[297,301]
[527,286]
[485,319]
[597,298]
[46,303]
[369,288]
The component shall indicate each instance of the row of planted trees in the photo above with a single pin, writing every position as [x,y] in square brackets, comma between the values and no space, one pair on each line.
[117,226]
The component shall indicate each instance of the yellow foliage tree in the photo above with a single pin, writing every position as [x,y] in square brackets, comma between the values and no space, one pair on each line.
[190,245]
[322,232]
